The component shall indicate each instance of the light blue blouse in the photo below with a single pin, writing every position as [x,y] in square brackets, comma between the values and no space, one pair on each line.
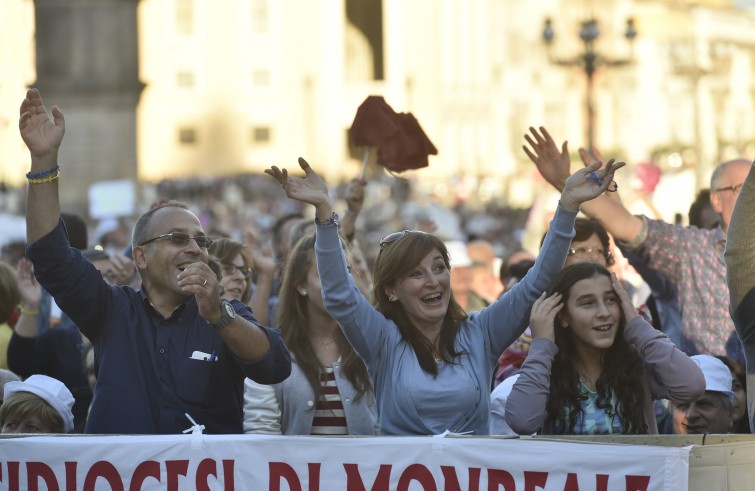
[410,401]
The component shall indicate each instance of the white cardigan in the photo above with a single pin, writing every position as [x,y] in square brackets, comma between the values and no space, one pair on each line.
[288,408]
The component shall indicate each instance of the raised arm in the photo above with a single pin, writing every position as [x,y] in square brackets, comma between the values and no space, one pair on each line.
[354,202]
[308,189]
[554,165]
[31,294]
[264,267]
[362,324]
[43,137]
[507,318]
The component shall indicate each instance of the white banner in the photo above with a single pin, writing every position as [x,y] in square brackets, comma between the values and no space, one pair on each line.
[280,463]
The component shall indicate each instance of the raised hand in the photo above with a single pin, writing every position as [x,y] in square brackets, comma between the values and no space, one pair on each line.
[124,269]
[553,165]
[355,195]
[630,312]
[41,134]
[262,260]
[593,155]
[543,315]
[588,183]
[308,189]
[31,292]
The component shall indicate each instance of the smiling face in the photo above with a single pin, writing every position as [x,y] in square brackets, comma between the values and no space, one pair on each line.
[234,283]
[161,261]
[425,292]
[592,315]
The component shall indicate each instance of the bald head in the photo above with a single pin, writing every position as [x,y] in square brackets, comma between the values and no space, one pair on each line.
[725,184]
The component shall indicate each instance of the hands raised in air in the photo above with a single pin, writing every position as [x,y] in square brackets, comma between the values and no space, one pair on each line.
[308,189]
[554,165]
[41,134]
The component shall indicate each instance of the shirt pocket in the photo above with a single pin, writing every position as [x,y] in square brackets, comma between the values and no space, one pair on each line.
[198,382]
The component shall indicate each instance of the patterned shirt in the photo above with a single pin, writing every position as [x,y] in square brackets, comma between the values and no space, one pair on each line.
[330,418]
[594,420]
[692,259]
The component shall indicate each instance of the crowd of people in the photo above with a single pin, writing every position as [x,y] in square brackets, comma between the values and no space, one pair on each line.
[318,316]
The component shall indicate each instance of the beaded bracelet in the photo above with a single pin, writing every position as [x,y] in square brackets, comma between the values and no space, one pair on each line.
[43,180]
[44,173]
[328,221]
[27,312]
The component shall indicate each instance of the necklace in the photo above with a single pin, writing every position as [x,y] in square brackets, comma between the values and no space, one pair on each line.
[587,381]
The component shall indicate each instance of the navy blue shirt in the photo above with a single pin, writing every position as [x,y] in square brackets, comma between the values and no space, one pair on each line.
[147,378]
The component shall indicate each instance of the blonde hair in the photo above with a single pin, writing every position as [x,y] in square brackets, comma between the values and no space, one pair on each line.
[23,404]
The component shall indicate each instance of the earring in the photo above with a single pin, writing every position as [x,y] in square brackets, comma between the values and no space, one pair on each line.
[303,292]
[392,298]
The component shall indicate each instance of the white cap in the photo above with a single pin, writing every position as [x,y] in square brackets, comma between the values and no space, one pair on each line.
[457,254]
[717,374]
[52,390]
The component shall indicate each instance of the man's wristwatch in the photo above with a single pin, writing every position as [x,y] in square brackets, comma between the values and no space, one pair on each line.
[227,314]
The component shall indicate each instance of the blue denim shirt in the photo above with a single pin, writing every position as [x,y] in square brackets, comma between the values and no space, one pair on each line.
[146,377]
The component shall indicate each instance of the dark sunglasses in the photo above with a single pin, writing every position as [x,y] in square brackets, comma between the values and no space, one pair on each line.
[229,269]
[180,239]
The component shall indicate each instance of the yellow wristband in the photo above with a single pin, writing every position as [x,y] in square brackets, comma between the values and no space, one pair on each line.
[43,180]
[27,312]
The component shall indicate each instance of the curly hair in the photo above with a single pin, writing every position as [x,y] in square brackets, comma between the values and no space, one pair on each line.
[393,263]
[622,375]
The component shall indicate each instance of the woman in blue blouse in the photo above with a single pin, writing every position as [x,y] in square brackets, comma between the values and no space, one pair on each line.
[430,362]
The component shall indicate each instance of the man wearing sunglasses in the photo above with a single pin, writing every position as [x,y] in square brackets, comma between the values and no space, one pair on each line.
[171,349]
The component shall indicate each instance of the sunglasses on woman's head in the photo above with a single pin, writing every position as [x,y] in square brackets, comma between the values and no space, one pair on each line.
[392,237]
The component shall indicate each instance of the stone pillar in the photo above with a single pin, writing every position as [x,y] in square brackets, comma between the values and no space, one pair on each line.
[88,65]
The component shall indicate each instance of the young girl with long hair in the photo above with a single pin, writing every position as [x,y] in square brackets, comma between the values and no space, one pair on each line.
[329,391]
[595,366]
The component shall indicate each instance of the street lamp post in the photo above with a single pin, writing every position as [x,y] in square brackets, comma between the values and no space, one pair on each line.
[589,60]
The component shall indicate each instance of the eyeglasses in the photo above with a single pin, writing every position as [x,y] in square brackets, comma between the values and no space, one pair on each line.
[584,251]
[181,239]
[229,269]
[733,189]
